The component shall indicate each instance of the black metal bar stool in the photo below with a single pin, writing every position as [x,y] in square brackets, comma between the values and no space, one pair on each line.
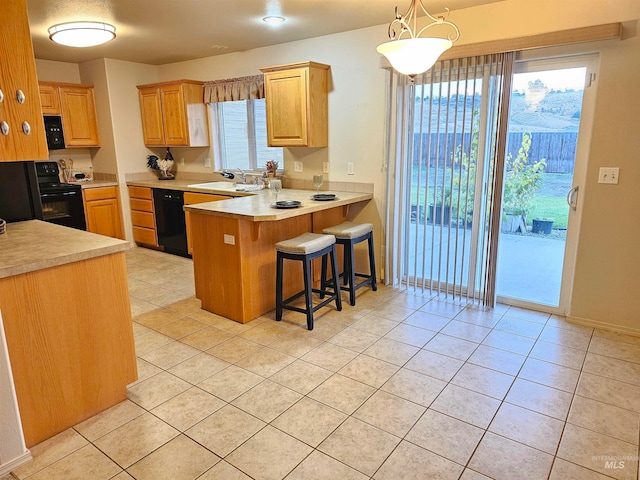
[305,248]
[348,234]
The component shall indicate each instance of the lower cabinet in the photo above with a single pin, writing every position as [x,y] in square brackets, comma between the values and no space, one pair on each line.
[191,198]
[102,211]
[143,216]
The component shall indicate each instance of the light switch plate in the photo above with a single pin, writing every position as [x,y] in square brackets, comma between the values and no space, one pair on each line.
[350,168]
[207,162]
[325,167]
[608,175]
[297,166]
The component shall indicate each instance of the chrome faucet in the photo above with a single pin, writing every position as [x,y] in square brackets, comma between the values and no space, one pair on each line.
[243,176]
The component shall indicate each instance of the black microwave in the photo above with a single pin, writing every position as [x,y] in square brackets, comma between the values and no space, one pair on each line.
[53,129]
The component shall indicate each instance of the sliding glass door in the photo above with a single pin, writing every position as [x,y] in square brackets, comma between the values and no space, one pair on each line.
[543,172]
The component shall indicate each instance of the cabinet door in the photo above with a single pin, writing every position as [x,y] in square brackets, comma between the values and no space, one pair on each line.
[25,139]
[286,95]
[79,117]
[50,100]
[151,112]
[175,123]
[103,217]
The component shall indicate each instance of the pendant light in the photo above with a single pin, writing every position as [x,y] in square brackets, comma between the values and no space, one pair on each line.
[408,51]
[82,34]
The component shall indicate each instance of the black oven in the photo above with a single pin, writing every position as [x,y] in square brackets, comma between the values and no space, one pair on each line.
[61,202]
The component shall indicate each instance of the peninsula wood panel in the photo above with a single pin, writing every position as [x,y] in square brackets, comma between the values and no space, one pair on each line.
[191,198]
[239,281]
[72,355]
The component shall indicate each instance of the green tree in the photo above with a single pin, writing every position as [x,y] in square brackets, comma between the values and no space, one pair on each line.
[521,179]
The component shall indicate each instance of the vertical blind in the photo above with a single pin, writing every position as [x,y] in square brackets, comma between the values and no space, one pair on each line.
[445,148]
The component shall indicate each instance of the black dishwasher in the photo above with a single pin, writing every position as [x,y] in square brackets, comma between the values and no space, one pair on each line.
[170,223]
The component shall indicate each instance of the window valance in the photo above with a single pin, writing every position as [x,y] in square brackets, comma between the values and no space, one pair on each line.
[233,89]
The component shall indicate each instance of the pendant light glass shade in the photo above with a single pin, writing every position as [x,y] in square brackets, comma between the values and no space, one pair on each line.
[408,51]
[414,55]
[82,34]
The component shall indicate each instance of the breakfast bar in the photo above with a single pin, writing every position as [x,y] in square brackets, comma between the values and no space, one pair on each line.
[234,257]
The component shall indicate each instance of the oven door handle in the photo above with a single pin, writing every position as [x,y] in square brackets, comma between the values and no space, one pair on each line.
[47,195]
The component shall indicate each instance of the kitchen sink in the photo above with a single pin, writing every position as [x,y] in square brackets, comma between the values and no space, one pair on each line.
[215,185]
[238,187]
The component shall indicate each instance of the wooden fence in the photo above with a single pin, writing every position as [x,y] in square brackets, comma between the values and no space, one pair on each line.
[557,148]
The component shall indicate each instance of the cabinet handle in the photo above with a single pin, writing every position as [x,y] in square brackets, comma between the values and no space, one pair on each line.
[26,128]
[1,96]
[4,128]
[20,96]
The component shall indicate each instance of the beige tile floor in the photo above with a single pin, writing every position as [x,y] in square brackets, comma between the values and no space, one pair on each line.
[401,386]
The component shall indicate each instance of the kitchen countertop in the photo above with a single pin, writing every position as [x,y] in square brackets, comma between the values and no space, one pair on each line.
[24,248]
[96,184]
[257,207]
[183,185]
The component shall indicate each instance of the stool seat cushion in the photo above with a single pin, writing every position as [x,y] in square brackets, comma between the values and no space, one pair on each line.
[306,243]
[349,230]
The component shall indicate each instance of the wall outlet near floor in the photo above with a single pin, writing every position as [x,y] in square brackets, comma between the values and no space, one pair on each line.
[207,162]
[608,175]
[297,166]
[349,168]
[325,167]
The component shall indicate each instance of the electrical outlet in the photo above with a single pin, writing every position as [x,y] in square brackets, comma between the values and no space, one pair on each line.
[349,168]
[207,162]
[229,239]
[325,167]
[608,175]
[297,166]
[182,161]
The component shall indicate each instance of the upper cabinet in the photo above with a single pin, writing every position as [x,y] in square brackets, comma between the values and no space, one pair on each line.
[22,134]
[76,105]
[296,99]
[174,114]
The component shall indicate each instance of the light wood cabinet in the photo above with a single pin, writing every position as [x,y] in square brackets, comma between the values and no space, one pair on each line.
[102,211]
[296,102]
[49,99]
[75,103]
[191,198]
[174,114]
[143,216]
[22,134]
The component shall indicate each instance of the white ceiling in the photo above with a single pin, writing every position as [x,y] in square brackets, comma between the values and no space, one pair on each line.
[166,31]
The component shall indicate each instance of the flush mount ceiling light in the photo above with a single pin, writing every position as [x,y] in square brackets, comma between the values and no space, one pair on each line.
[408,52]
[82,34]
[273,19]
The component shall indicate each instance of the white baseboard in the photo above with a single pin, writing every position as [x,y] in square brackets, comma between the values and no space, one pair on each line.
[5,468]
[603,325]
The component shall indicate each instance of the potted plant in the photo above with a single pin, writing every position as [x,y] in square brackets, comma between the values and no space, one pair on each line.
[521,181]
[542,225]
[440,212]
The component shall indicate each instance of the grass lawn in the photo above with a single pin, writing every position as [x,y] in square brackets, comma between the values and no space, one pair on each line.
[551,208]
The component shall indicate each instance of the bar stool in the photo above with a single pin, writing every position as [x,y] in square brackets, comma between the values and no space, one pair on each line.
[305,248]
[348,234]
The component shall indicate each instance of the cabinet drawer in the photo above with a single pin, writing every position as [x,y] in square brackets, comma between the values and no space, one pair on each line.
[140,192]
[99,193]
[145,235]
[141,205]
[143,219]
